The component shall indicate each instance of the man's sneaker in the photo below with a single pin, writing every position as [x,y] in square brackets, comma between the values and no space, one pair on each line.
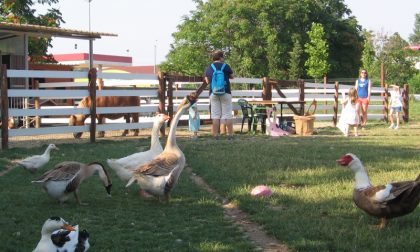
[392,126]
[396,127]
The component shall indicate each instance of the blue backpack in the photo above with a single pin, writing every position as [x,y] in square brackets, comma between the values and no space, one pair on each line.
[218,81]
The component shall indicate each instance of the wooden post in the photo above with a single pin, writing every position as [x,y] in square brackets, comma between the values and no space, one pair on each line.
[385,96]
[35,85]
[385,104]
[267,94]
[301,85]
[406,95]
[161,97]
[382,75]
[92,94]
[335,108]
[170,94]
[4,109]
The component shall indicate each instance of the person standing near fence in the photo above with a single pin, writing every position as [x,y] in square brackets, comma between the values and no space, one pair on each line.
[363,86]
[194,120]
[396,106]
[220,102]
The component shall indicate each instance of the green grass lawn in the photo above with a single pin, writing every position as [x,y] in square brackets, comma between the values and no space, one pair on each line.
[311,208]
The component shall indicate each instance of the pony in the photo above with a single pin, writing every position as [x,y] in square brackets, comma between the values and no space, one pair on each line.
[107,101]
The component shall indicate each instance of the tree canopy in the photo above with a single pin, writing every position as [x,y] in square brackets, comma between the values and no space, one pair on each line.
[317,49]
[415,36]
[258,36]
[21,11]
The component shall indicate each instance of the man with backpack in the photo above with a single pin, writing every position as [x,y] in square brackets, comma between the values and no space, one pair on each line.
[217,74]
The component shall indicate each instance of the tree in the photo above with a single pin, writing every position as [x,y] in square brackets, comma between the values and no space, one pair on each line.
[399,66]
[368,54]
[257,36]
[414,38]
[295,62]
[317,48]
[20,11]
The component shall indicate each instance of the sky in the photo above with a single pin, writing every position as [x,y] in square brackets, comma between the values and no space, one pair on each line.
[145,28]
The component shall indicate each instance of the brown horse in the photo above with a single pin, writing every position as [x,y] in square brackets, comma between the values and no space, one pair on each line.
[107,101]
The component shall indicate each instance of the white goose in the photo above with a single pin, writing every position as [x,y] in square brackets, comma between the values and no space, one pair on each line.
[34,162]
[159,176]
[51,225]
[66,177]
[124,166]
[67,241]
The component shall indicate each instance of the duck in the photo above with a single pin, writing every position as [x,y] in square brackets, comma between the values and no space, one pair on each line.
[383,201]
[50,225]
[66,177]
[33,163]
[159,176]
[124,167]
[67,241]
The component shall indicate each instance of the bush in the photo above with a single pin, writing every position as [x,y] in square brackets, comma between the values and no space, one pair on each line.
[414,83]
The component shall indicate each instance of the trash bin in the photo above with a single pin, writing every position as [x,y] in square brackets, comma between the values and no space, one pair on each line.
[304,125]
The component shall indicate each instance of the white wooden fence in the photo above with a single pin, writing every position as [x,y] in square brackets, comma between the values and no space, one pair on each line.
[54,114]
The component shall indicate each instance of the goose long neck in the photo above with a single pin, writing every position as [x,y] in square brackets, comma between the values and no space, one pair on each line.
[362,178]
[47,152]
[172,131]
[155,135]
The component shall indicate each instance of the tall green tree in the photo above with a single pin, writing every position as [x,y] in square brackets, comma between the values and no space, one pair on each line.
[399,66]
[317,48]
[368,54]
[414,38]
[257,36]
[295,61]
[21,11]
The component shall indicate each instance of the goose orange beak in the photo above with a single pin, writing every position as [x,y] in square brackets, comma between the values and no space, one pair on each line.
[68,227]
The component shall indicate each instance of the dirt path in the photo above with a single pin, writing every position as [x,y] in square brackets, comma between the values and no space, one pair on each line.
[254,231]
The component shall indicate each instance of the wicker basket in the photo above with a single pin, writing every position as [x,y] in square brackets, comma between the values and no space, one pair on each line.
[304,125]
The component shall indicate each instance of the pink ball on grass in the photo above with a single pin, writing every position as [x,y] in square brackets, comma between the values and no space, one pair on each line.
[261,190]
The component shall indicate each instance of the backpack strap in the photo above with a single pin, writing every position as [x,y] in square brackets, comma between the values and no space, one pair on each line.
[213,67]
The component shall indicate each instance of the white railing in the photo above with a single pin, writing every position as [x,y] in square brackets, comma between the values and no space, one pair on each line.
[58,114]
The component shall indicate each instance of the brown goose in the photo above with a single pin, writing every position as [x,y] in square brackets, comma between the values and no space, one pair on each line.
[384,201]
[159,176]
[124,166]
[66,177]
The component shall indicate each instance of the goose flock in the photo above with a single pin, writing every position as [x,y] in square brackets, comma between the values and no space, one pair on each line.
[157,170]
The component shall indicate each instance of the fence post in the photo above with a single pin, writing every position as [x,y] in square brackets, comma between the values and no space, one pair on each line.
[35,85]
[170,95]
[301,84]
[335,108]
[92,94]
[385,103]
[266,94]
[161,97]
[406,95]
[4,109]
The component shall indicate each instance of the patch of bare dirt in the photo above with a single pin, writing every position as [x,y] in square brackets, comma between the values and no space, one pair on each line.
[255,232]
